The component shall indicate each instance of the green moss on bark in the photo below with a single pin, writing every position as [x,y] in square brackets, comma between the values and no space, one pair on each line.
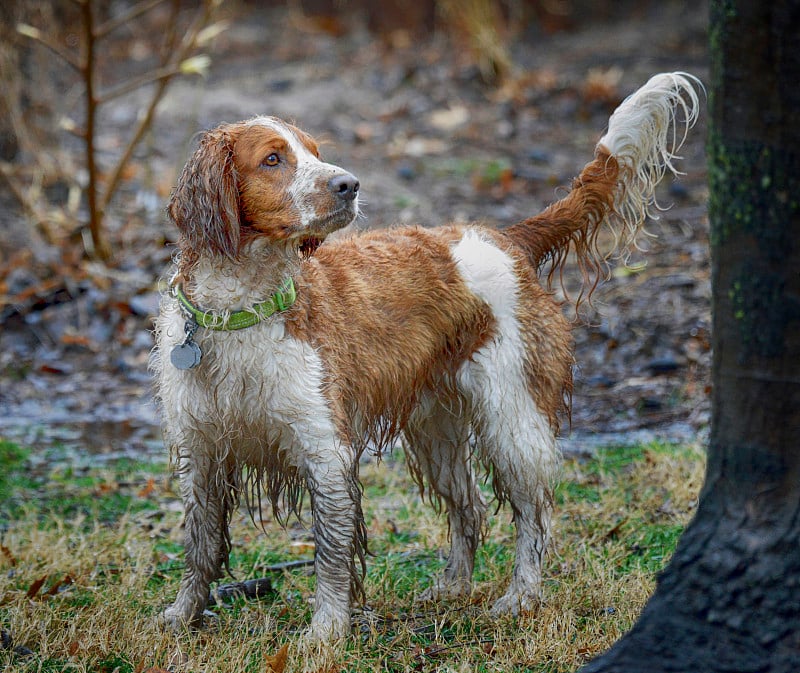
[753,199]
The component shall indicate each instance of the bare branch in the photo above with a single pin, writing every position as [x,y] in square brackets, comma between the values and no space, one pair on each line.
[137,82]
[201,19]
[101,248]
[37,35]
[187,45]
[177,56]
[137,10]
[28,204]
[171,38]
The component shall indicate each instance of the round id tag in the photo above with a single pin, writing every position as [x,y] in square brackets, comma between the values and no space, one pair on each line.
[186,355]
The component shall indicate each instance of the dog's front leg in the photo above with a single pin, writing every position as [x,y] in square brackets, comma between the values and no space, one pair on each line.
[340,538]
[206,495]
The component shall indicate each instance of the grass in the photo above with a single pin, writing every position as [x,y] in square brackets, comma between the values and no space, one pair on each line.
[88,560]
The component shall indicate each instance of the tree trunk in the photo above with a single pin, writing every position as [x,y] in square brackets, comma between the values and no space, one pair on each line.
[730,598]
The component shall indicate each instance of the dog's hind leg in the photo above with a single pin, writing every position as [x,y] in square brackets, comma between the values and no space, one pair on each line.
[518,442]
[439,454]
[529,356]
[207,497]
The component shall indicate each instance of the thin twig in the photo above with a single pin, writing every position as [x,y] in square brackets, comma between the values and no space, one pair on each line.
[436,651]
[28,204]
[134,12]
[187,45]
[137,82]
[255,588]
[177,48]
[95,212]
[36,35]
[171,38]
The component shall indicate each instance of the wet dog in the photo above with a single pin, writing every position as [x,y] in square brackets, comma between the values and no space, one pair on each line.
[281,357]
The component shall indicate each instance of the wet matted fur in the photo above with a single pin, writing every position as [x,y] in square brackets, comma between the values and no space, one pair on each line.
[443,338]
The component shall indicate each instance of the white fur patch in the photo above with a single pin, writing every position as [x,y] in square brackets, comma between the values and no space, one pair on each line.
[644,135]
[265,388]
[496,371]
[488,273]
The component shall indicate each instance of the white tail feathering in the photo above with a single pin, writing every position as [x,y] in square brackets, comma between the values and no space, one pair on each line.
[644,134]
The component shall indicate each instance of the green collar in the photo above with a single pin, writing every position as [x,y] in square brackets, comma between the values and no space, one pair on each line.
[280,301]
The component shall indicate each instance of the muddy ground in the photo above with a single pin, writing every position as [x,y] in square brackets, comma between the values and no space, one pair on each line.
[431,143]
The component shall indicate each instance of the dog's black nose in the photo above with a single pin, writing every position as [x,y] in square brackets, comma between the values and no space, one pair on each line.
[345,186]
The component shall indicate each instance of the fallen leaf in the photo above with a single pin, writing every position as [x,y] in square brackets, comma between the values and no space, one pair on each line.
[449,119]
[417,147]
[33,589]
[301,547]
[612,533]
[66,581]
[70,339]
[602,85]
[148,488]
[277,662]
[7,553]
[53,369]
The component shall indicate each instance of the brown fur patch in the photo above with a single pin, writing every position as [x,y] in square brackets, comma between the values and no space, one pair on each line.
[573,222]
[387,331]
[266,207]
[205,203]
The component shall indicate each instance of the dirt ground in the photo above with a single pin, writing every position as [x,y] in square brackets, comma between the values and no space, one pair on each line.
[431,143]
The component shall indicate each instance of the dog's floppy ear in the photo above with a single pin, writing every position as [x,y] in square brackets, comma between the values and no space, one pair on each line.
[205,202]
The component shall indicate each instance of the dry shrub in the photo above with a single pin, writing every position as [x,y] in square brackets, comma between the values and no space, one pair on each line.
[482,25]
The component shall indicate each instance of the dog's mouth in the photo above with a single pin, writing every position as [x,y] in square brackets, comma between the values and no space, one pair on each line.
[308,243]
[308,246]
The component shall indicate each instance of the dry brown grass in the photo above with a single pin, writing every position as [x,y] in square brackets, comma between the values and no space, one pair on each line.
[108,569]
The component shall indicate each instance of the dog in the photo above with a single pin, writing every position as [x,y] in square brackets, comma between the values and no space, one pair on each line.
[280,357]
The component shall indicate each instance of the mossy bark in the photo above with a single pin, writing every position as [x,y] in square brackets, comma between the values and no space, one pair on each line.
[730,598]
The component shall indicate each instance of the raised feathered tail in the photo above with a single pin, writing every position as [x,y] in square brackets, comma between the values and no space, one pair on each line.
[617,187]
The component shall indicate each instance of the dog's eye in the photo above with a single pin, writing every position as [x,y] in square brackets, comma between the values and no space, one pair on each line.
[271,160]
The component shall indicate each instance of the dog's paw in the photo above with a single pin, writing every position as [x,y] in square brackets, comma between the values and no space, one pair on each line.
[327,627]
[311,655]
[176,621]
[171,620]
[444,590]
[516,603]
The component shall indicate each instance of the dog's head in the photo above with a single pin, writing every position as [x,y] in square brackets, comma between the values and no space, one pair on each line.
[261,178]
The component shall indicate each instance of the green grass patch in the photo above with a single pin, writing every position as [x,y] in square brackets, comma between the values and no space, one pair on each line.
[12,471]
[651,546]
[105,547]
[57,491]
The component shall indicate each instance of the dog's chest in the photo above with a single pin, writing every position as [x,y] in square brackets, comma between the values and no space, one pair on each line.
[250,379]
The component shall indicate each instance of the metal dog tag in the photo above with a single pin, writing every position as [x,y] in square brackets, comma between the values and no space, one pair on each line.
[186,355]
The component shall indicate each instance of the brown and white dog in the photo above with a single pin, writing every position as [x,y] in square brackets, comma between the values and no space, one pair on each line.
[280,360]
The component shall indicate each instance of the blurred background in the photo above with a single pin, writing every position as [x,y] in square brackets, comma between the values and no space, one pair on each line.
[445,110]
